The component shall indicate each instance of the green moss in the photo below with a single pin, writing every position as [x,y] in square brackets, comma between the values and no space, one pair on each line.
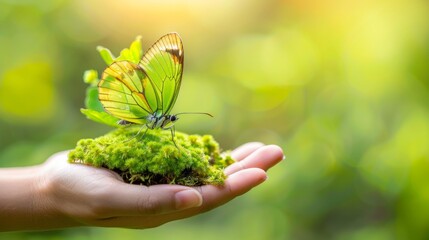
[153,158]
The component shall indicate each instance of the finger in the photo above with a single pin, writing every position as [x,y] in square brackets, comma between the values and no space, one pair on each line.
[264,158]
[123,199]
[244,150]
[236,185]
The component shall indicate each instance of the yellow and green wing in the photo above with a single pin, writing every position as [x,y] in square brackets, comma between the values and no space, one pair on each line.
[163,64]
[132,91]
[126,93]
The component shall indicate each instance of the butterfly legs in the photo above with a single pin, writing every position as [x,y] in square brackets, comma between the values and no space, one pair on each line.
[154,123]
[173,136]
[135,135]
[172,130]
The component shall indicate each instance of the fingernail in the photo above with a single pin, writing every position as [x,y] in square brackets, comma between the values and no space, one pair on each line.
[188,199]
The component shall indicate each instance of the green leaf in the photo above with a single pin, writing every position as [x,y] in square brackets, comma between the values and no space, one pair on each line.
[91,77]
[132,54]
[125,55]
[106,55]
[94,109]
[136,49]
[91,99]
[100,117]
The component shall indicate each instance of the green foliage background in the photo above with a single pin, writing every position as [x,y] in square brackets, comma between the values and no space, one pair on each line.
[341,86]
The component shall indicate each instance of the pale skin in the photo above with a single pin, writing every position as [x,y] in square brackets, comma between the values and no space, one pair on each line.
[57,194]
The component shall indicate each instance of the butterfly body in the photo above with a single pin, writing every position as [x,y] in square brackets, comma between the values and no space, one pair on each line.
[163,122]
[153,121]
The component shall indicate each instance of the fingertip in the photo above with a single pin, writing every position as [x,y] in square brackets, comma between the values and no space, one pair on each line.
[244,150]
[242,181]
[276,152]
[264,157]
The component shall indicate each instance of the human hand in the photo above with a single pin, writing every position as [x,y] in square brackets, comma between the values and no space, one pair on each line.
[76,195]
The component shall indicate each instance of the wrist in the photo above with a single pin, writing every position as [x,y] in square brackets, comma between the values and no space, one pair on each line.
[27,200]
[19,201]
[47,192]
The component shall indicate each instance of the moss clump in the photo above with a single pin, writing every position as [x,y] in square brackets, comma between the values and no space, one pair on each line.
[153,158]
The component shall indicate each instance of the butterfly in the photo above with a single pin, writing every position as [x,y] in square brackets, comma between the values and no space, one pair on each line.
[144,93]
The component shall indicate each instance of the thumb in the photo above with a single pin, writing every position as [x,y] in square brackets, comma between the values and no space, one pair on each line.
[133,200]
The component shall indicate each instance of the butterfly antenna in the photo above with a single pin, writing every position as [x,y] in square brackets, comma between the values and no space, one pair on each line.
[204,113]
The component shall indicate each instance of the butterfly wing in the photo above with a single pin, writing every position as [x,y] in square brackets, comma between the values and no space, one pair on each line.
[126,92]
[133,92]
[163,65]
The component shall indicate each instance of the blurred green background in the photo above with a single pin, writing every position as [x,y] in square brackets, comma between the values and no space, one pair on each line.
[341,86]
